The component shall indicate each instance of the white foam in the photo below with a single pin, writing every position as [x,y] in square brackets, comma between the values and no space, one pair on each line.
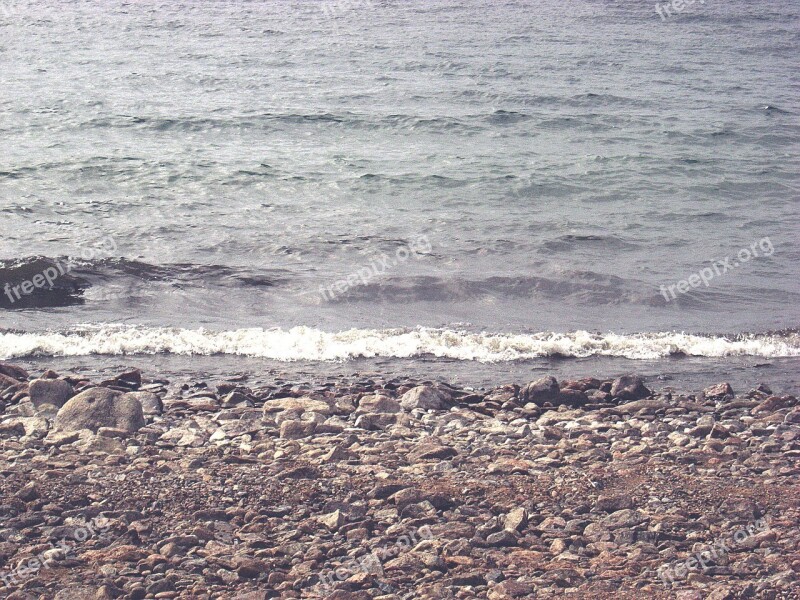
[305,343]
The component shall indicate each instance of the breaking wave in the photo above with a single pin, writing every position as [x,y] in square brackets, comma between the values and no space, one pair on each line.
[310,344]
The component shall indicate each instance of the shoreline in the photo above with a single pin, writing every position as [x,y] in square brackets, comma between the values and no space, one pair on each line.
[367,487]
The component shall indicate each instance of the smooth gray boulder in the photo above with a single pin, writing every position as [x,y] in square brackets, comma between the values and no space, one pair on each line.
[50,391]
[425,397]
[100,407]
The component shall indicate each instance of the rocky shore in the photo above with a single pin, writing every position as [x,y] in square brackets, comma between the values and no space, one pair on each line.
[360,488]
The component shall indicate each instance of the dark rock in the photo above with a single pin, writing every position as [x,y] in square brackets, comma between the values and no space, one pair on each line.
[431,451]
[248,568]
[629,387]
[236,398]
[383,491]
[504,393]
[614,503]
[376,421]
[7,382]
[598,397]
[12,428]
[132,379]
[571,398]
[719,391]
[502,538]
[14,372]
[29,492]
[774,403]
[582,385]
[623,518]
[540,391]
[512,589]
[704,426]
[719,431]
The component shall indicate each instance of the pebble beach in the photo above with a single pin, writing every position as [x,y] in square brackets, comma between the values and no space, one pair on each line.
[362,488]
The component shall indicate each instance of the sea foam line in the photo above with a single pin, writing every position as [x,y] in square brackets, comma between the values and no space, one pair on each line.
[306,343]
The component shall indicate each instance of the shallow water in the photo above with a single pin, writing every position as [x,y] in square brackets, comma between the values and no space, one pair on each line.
[483,170]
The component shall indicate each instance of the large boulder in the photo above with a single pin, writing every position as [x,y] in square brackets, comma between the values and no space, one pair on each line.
[50,391]
[425,397]
[540,391]
[629,388]
[100,407]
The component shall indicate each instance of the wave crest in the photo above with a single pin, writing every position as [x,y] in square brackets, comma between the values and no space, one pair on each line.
[310,344]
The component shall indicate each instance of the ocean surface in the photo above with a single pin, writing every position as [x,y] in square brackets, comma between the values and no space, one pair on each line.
[477,191]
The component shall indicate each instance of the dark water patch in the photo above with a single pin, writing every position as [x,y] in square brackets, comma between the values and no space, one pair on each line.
[414,179]
[571,242]
[40,282]
[179,273]
[506,117]
[604,100]
[582,123]
[71,278]
[774,110]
